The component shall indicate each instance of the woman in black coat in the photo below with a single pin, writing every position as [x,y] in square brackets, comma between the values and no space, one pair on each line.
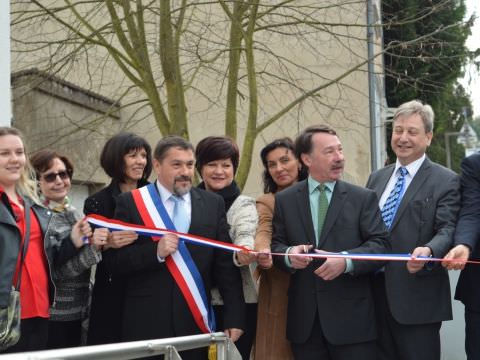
[126,158]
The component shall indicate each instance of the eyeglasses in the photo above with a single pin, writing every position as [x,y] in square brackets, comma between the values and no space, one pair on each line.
[53,176]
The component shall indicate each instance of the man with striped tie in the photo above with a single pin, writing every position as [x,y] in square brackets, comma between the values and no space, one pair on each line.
[419,202]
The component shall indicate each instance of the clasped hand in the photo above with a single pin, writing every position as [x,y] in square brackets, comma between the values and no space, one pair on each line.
[167,245]
[456,258]
[113,239]
[245,257]
[264,259]
[414,265]
[80,230]
[329,270]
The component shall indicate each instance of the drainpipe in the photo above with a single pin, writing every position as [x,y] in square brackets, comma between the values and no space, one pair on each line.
[374,101]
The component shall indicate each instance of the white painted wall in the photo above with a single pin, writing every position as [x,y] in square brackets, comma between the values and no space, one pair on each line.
[77,196]
[5,104]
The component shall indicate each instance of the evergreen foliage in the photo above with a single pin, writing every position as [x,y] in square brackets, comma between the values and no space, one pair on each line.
[428,69]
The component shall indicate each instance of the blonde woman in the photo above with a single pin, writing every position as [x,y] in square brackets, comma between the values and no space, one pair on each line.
[19,205]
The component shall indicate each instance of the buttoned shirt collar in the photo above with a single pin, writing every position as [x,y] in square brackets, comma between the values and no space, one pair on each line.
[313,184]
[412,168]
[165,195]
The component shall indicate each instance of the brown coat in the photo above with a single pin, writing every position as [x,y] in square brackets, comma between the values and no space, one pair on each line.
[271,342]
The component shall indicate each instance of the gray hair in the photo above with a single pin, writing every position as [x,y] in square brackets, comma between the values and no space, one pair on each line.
[416,107]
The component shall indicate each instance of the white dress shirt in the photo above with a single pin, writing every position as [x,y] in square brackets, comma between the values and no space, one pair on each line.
[170,204]
[412,169]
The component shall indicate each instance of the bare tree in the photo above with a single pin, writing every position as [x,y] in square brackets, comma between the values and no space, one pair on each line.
[254,61]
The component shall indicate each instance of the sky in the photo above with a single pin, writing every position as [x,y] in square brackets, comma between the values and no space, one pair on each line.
[472,77]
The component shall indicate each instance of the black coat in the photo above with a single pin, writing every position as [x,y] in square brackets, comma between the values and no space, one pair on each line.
[108,291]
[155,306]
[468,232]
[344,305]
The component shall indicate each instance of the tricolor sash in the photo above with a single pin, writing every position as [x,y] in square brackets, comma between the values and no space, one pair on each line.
[180,263]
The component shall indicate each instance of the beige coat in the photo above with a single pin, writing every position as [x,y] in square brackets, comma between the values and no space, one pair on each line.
[242,219]
[270,342]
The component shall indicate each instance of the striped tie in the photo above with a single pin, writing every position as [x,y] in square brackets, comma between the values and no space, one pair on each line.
[393,200]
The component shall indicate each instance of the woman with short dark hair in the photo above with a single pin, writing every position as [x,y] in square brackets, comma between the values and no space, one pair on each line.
[114,159]
[217,162]
[126,158]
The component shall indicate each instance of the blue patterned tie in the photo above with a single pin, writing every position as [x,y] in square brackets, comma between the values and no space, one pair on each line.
[393,201]
[180,215]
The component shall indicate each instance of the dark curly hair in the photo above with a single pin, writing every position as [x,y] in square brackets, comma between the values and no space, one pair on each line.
[268,184]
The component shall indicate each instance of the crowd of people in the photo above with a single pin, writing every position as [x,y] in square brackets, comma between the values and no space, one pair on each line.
[282,295]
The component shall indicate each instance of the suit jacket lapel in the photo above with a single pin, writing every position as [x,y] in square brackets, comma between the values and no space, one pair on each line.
[336,204]
[303,206]
[422,174]
[197,209]
[383,178]
[195,218]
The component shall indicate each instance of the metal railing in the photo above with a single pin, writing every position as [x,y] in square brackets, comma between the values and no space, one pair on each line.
[169,347]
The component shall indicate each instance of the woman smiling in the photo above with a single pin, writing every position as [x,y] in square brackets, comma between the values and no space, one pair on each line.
[217,161]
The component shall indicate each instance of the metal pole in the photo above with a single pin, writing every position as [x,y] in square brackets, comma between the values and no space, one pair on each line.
[136,349]
[447,147]
[222,350]
[447,151]
[371,87]
[375,94]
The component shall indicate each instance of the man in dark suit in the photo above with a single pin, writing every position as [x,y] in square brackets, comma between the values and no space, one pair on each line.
[330,305]
[155,306]
[467,236]
[420,201]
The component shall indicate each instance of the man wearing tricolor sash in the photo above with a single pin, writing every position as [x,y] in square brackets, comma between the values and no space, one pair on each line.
[168,280]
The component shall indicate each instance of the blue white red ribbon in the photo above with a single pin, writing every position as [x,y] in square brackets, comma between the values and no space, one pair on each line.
[156,233]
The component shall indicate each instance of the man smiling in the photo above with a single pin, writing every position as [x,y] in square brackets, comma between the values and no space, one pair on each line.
[419,200]
[156,306]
